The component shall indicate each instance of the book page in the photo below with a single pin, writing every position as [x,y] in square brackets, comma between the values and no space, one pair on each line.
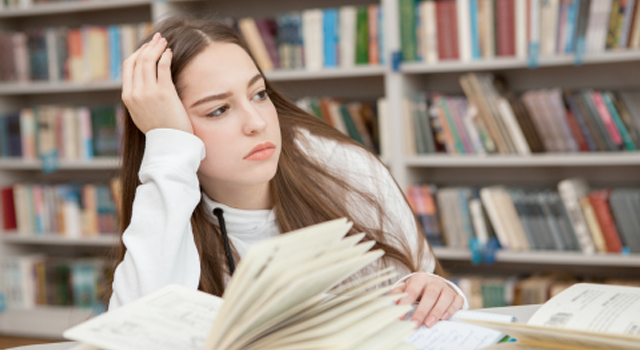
[594,308]
[565,339]
[174,317]
[452,334]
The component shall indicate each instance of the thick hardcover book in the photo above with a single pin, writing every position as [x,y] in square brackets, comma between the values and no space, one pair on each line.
[447,29]
[600,201]
[408,30]
[505,28]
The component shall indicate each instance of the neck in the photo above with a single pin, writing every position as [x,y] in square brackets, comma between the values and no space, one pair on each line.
[254,197]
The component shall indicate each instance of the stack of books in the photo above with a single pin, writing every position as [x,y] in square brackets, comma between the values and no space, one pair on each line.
[573,218]
[357,119]
[36,280]
[542,120]
[315,39]
[84,54]
[62,132]
[65,210]
[468,30]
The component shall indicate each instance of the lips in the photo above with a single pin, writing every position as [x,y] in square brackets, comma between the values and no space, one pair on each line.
[262,151]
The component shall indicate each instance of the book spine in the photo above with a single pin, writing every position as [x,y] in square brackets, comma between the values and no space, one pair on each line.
[579,118]
[600,202]
[463,14]
[373,27]
[571,191]
[506,28]
[407,30]
[624,134]
[447,30]
[629,12]
[330,36]
[347,50]
[607,120]
[362,36]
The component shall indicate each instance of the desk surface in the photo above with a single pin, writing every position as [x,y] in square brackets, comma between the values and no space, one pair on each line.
[522,313]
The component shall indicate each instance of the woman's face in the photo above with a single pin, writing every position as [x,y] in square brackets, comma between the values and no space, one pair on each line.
[225,98]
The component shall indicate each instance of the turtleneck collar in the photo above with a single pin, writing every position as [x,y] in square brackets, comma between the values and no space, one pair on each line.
[239,221]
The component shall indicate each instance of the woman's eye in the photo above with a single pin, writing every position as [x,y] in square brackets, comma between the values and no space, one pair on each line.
[218,112]
[262,95]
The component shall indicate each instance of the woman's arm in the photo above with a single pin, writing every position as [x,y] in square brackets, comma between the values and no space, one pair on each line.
[159,240]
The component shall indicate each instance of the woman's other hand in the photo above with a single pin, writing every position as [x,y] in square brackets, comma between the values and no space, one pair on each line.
[437,299]
[148,91]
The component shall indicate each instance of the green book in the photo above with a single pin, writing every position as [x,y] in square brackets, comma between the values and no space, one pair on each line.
[105,131]
[408,30]
[351,126]
[626,138]
[362,36]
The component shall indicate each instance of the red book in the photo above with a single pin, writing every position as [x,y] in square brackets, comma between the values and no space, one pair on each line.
[447,29]
[600,203]
[576,132]
[506,27]
[8,210]
[269,32]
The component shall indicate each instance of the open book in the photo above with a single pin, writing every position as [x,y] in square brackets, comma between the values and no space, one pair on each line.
[285,294]
[584,316]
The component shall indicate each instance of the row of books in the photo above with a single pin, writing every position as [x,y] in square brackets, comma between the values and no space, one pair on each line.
[357,119]
[27,3]
[87,53]
[69,210]
[542,120]
[574,218]
[317,38]
[484,292]
[468,30]
[36,280]
[67,133]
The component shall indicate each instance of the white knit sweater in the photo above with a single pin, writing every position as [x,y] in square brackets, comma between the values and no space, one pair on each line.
[159,240]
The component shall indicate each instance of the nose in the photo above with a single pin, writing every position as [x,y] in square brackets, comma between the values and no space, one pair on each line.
[254,122]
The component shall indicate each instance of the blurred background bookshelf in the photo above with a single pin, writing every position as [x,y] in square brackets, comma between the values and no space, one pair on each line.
[373,58]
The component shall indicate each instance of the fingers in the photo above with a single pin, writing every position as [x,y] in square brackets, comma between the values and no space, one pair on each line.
[398,289]
[458,302]
[128,67]
[441,306]
[164,68]
[414,287]
[150,59]
[427,302]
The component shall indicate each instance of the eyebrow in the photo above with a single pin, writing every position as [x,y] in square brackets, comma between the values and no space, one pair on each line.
[225,94]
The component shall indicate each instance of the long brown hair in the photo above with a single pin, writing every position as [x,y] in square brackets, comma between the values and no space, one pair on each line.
[303,191]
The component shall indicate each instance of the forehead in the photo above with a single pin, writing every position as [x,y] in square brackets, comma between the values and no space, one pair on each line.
[218,68]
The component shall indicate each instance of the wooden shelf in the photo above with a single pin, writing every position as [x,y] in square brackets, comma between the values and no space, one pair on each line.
[536,160]
[70,6]
[547,257]
[104,240]
[43,322]
[518,63]
[93,164]
[335,73]
[46,87]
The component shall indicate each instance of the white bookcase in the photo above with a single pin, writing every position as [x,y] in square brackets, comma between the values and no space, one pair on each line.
[618,70]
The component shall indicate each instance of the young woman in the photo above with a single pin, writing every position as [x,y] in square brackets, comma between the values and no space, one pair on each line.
[215,159]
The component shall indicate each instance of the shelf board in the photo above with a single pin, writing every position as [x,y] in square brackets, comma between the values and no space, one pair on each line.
[46,87]
[44,321]
[353,72]
[104,240]
[70,6]
[93,164]
[546,257]
[535,160]
[518,63]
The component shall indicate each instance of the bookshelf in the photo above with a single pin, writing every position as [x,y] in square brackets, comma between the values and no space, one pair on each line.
[615,70]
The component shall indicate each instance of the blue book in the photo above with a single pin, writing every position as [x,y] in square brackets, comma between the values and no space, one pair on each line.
[572,25]
[4,137]
[381,57]
[115,52]
[330,28]
[475,33]
[13,132]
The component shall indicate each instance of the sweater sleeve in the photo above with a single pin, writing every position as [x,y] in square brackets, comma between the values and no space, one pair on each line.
[160,246]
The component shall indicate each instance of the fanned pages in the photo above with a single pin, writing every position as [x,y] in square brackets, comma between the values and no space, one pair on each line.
[285,294]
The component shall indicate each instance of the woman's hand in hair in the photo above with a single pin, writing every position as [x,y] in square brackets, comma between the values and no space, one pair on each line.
[148,91]
[437,299]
